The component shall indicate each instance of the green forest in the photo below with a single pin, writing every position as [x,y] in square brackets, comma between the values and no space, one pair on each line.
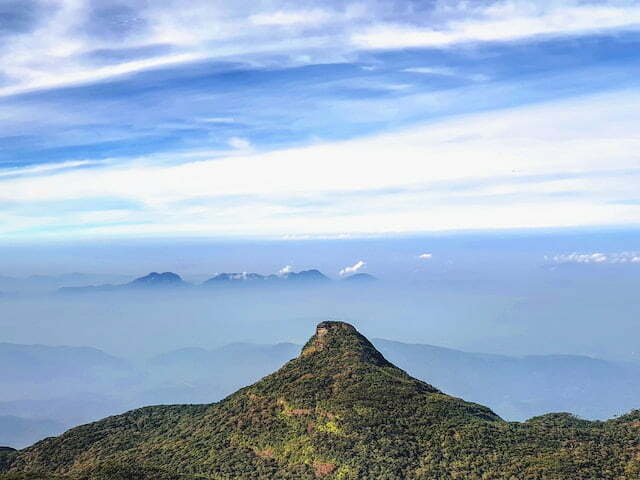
[338,411]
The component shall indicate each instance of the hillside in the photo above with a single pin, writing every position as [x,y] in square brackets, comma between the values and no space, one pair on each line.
[340,410]
[90,385]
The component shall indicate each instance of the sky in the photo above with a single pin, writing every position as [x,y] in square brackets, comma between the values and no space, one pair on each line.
[308,119]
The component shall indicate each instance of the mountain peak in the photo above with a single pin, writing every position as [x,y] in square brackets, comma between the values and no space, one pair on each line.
[339,411]
[342,340]
[360,277]
[312,275]
[158,279]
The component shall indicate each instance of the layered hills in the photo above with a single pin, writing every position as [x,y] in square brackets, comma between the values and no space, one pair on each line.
[339,410]
[166,280]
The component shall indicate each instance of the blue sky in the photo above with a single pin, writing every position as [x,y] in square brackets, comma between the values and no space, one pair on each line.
[316,119]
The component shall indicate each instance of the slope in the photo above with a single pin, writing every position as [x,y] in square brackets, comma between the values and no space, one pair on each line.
[339,410]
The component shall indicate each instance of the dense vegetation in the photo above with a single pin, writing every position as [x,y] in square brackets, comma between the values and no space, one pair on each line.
[339,411]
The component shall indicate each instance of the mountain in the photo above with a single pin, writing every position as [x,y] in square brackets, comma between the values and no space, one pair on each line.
[36,368]
[71,386]
[170,280]
[154,279]
[151,281]
[239,278]
[47,389]
[5,454]
[339,410]
[51,283]
[257,279]
[360,277]
[588,387]
[307,276]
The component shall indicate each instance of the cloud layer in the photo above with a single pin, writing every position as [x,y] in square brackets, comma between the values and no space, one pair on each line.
[316,118]
[52,43]
[508,169]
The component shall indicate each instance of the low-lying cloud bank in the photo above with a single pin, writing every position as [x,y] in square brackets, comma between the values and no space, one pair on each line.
[597,258]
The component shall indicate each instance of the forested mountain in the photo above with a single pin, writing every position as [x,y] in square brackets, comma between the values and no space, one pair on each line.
[339,410]
[56,388]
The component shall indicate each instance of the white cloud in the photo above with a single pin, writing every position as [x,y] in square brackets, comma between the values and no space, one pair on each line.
[449,72]
[55,53]
[46,168]
[288,18]
[581,258]
[285,270]
[426,256]
[597,258]
[217,120]
[239,143]
[352,269]
[42,80]
[536,166]
[430,70]
[506,21]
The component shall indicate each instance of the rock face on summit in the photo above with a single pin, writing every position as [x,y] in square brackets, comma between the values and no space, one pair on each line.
[338,411]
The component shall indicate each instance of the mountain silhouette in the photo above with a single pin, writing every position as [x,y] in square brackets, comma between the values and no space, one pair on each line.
[154,279]
[257,279]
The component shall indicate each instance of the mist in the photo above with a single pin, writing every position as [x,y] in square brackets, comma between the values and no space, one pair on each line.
[520,323]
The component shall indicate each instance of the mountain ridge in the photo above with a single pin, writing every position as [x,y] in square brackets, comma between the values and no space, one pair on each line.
[339,410]
[167,280]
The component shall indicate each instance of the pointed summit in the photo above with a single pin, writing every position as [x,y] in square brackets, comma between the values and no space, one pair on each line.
[340,338]
[338,389]
[340,411]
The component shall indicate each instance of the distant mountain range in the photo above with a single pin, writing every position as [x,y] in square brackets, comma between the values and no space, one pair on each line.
[70,385]
[304,276]
[48,283]
[172,280]
[36,368]
[339,410]
[360,277]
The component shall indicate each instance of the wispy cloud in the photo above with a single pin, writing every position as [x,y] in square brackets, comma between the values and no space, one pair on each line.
[313,17]
[56,47]
[47,168]
[446,71]
[352,269]
[506,21]
[426,256]
[576,172]
[273,118]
